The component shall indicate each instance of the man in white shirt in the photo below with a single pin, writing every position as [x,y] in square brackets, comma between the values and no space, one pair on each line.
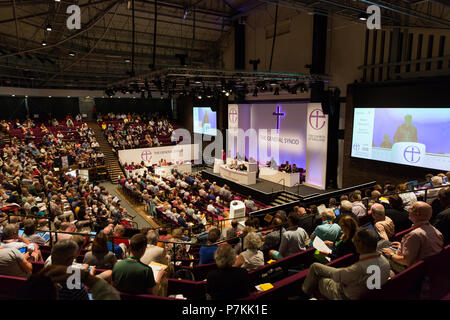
[349,282]
[154,252]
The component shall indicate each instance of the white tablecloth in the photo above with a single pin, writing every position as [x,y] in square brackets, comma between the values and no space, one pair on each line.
[269,174]
[163,171]
[242,177]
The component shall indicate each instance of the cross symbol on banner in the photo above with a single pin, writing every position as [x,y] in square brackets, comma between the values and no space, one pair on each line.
[280,115]
[412,151]
[319,115]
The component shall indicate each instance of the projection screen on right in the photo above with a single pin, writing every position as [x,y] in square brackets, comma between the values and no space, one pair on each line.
[411,136]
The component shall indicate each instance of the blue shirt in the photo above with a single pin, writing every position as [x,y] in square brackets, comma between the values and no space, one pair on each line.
[207,254]
[327,232]
[117,250]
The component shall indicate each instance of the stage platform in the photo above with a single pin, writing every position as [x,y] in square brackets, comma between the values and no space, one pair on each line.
[270,187]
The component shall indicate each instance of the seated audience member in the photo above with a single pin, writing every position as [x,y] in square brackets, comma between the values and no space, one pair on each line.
[119,231]
[398,214]
[382,224]
[100,256]
[66,227]
[252,257]
[293,240]
[233,230]
[349,282]
[14,263]
[432,194]
[207,252]
[227,282]
[344,245]
[132,276]
[327,231]
[272,240]
[358,208]
[11,239]
[29,232]
[43,285]
[442,220]
[250,204]
[153,252]
[64,252]
[345,209]
[408,198]
[423,241]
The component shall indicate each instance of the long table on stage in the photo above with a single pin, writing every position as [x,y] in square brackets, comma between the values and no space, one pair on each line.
[280,177]
[242,177]
[164,171]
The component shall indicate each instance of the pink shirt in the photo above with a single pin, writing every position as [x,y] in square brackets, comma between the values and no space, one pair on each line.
[423,241]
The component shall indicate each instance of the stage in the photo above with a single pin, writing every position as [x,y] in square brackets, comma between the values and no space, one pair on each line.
[270,187]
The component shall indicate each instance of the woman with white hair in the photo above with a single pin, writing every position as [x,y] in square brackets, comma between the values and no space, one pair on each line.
[252,257]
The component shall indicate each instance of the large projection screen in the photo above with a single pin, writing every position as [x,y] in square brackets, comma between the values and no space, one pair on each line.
[410,136]
[205,121]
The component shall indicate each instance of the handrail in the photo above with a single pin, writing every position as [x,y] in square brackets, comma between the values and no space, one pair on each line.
[284,183]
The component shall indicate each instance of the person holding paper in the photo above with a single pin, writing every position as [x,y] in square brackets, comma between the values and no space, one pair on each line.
[327,231]
[349,282]
[343,245]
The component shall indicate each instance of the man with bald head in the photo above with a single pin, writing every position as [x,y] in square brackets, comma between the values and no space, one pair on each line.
[442,220]
[382,224]
[423,241]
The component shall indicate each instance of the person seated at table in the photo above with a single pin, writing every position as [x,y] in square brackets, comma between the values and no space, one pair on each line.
[285,167]
[295,169]
[242,167]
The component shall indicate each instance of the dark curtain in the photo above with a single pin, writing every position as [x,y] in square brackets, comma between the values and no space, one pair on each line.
[53,107]
[138,105]
[12,108]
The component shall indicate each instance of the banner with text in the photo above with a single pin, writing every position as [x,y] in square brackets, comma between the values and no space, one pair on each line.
[316,146]
[172,154]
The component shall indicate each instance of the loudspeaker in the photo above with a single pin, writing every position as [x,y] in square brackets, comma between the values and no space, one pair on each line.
[316,91]
[326,102]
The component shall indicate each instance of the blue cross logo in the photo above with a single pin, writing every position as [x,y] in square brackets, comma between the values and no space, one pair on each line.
[410,154]
[356,147]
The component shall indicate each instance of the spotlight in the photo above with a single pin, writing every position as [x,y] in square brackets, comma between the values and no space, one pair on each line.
[185,14]
[49,27]
[273,83]
[127,60]
[227,94]
[72,54]
[44,43]
[198,80]
[363,16]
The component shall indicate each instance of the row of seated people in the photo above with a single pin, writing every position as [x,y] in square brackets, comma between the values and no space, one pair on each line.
[53,123]
[136,131]
[231,280]
[79,145]
[407,253]
[183,195]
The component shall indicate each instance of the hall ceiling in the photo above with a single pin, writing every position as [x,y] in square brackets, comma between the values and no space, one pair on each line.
[102,49]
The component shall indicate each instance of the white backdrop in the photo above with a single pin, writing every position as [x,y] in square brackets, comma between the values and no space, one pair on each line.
[173,154]
[316,146]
